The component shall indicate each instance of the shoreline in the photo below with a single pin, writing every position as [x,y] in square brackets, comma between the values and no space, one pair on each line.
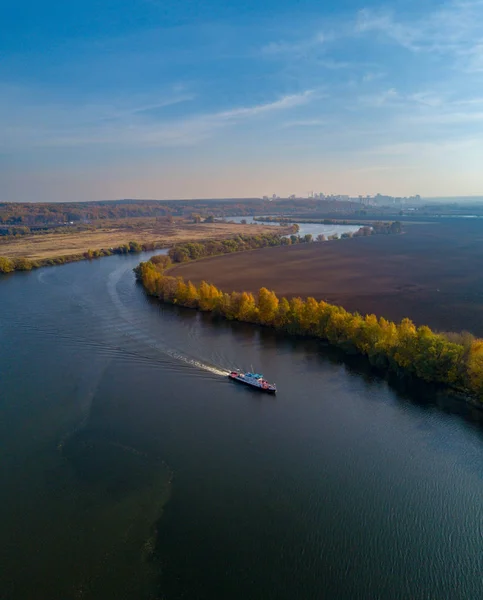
[449,362]
[13,261]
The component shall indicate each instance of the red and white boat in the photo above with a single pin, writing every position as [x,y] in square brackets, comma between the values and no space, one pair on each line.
[254,380]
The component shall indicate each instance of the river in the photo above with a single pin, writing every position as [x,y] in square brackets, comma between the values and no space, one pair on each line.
[304,228]
[132,468]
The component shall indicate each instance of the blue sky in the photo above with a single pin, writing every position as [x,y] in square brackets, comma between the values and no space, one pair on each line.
[192,98]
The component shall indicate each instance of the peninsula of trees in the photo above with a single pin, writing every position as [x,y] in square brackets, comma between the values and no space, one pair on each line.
[452,360]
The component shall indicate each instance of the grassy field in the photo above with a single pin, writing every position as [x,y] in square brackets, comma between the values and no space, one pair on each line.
[52,245]
[430,273]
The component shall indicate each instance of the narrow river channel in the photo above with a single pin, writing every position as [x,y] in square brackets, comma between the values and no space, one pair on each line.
[133,469]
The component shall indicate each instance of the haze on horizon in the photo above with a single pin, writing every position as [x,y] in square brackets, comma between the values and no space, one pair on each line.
[179,99]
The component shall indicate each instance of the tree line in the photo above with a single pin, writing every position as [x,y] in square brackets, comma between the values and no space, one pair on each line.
[8,265]
[30,214]
[187,251]
[454,360]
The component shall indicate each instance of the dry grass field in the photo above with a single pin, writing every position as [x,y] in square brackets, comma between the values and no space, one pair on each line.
[431,273]
[52,245]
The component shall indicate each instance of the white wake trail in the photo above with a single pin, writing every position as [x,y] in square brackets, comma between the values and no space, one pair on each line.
[125,314]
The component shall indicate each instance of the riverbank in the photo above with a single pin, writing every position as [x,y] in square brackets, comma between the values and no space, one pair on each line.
[33,251]
[451,360]
[271,495]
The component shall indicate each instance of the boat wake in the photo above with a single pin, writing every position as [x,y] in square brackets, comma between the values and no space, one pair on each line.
[145,338]
[197,363]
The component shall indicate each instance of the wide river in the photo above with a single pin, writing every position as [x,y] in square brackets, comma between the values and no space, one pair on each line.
[132,468]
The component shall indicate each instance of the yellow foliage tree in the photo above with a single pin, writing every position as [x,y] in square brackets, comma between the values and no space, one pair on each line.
[475,367]
[267,306]
[452,359]
[246,308]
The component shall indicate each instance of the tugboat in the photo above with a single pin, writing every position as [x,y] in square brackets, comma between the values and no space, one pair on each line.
[254,380]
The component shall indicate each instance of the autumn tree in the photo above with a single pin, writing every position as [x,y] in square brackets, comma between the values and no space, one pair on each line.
[267,306]
[6,265]
[455,360]
[247,309]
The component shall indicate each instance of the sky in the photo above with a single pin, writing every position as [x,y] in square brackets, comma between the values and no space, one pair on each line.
[105,99]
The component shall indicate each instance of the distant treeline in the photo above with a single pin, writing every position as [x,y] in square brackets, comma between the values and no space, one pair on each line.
[66,213]
[8,265]
[453,360]
[31,214]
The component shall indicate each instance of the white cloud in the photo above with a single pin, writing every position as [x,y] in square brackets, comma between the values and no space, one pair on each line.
[305,123]
[334,65]
[421,147]
[289,101]
[297,48]
[453,29]
[449,117]
[371,76]
[43,126]
[372,21]
[426,99]
[382,98]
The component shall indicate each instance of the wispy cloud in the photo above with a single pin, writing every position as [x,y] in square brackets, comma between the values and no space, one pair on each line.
[371,76]
[454,29]
[289,101]
[426,99]
[372,21]
[305,123]
[334,65]
[418,148]
[82,127]
[297,48]
[382,98]
[145,108]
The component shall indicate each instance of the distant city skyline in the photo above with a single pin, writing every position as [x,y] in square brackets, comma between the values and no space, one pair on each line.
[204,99]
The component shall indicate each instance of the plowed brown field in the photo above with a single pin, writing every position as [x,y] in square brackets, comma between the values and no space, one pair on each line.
[432,273]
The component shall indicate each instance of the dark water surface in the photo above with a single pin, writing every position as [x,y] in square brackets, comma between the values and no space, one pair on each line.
[132,468]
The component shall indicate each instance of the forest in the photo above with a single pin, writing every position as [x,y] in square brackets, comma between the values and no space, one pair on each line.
[33,215]
[454,360]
